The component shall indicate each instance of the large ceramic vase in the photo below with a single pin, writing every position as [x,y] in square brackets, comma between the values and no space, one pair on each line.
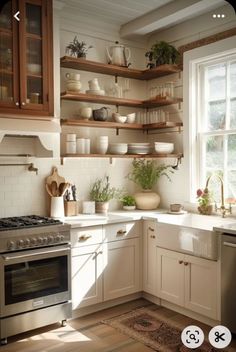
[101,207]
[147,200]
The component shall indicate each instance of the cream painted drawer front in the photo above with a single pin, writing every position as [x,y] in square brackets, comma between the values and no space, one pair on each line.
[116,232]
[86,236]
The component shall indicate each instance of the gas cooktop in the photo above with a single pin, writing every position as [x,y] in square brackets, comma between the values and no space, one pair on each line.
[22,222]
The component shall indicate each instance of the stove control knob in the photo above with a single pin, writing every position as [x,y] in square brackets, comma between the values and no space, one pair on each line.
[50,239]
[27,242]
[20,243]
[39,240]
[57,238]
[33,241]
[10,245]
[62,237]
[45,239]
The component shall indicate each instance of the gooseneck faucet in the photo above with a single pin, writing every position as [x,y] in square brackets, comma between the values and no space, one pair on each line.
[222,208]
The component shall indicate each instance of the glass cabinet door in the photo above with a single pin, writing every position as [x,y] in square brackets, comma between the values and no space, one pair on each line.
[8,57]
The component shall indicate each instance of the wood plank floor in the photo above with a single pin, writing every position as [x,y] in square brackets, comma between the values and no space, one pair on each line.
[88,334]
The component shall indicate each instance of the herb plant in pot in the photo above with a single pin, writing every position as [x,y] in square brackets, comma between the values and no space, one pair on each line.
[128,202]
[102,192]
[146,173]
[77,49]
[162,53]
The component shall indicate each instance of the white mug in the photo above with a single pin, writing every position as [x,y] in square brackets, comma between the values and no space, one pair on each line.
[73,76]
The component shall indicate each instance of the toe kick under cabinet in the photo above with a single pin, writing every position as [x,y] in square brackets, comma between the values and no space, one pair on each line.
[105,262]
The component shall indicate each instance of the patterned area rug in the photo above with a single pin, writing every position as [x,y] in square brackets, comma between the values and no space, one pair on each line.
[153,330]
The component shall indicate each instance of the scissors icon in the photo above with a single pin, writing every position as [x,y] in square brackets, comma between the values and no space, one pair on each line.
[219,336]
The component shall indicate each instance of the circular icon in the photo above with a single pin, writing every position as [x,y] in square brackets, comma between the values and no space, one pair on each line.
[192,336]
[220,336]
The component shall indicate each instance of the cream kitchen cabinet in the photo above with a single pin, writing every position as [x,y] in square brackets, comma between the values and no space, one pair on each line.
[149,257]
[188,281]
[122,268]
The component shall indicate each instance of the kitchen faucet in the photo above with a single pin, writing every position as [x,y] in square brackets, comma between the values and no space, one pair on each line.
[222,208]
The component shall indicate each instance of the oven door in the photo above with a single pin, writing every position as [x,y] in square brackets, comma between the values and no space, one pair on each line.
[34,279]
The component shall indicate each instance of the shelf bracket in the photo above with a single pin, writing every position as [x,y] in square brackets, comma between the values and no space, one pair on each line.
[117,108]
[116,79]
[110,161]
[62,161]
[117,131]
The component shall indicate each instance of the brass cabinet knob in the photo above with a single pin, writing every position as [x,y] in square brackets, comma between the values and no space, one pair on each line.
[17,103]
[84,237]
[180,261]
[185,263]
[152,236]
[23,103]
[151,229]
[121,232]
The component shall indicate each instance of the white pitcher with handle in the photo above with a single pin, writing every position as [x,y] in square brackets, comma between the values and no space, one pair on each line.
[118,54]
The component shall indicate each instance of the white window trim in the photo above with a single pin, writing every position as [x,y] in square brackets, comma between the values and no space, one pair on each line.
[191,60]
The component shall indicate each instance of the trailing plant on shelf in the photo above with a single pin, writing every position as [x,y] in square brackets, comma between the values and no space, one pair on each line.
[162,53]
[146,173]
[102,192]
[77,49]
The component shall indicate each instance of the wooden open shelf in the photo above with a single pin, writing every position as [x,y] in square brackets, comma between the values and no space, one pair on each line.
[116,125]
[102,99]
[98,67]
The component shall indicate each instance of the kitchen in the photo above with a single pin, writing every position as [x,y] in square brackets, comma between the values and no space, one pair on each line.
[33,145]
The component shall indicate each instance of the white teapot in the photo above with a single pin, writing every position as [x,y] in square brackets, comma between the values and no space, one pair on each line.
[118,54]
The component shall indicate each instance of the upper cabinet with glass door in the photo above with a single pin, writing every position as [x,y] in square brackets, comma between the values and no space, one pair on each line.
[26,84]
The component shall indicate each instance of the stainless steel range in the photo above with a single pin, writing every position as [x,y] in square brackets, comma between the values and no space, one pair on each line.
[35,285]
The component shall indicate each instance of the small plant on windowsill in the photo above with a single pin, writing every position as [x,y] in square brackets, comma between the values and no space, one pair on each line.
[205,201]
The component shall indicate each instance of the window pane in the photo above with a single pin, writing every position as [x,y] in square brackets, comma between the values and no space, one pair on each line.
[232,151]
[233,113]
[216,81]
[231,185]
[233,79]
[214,152]
[216,115]
[215,185]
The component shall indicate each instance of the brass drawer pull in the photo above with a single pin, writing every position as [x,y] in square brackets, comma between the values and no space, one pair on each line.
[84,237]
[180,261]
[185,263]
[151,229]
[121,232]
[152,236]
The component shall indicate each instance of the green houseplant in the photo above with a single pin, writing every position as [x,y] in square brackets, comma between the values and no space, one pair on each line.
[146,173]
[128,202]
[77,49]
[162,53]
[102,192]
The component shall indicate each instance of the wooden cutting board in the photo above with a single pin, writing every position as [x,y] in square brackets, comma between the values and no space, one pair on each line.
[55,177]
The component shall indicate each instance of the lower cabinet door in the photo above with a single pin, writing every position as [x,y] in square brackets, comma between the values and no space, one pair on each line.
[87,269]
[170,276]
[121,268]
[201,286]
[149,257]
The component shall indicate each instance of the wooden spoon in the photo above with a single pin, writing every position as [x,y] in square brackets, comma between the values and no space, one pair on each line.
[64,188]
[54,189]
[48,189]
[61,188]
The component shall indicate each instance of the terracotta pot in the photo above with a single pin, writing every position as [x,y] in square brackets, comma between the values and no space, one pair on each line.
[205,209]
[101,207]
[147,200]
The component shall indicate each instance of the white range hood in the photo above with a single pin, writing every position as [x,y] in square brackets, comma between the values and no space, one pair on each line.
[29,137]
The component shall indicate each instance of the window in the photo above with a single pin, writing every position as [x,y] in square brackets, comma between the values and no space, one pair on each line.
[216,125]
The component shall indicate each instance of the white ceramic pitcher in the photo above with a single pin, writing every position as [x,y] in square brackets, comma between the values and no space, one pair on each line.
[118,54]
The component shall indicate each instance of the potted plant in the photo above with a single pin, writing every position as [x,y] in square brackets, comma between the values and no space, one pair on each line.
[102,192]
[128,202]
[162,53]
[146,173]
[77,49]
[204,198]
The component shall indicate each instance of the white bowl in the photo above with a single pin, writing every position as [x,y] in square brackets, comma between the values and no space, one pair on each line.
[120,119]
[131,118]
[95,91]
[118,148]
[34,68]
[164,148]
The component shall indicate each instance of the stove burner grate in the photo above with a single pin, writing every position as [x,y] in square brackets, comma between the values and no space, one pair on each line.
[19,222]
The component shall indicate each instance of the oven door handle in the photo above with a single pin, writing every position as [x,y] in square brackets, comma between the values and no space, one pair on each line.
[34,253]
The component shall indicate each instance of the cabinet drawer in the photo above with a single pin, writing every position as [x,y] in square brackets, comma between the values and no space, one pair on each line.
[116,232]
[86,236]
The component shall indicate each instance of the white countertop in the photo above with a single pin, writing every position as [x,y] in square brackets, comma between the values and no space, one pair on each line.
[197,221]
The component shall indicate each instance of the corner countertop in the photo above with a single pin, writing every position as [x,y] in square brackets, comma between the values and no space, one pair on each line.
[197,221]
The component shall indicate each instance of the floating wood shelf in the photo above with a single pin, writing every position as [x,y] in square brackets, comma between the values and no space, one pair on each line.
[102,99]
[98,67]
[123,156]
[116,125]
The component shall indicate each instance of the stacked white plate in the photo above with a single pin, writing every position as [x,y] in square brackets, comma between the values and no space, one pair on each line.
[164,148]
[139,148]
[118,148]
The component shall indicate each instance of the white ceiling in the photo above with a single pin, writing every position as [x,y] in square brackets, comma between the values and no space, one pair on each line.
[117,12]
